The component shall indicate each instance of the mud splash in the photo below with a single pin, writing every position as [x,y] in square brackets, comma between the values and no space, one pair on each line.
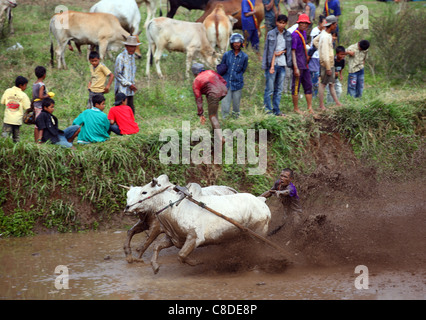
[385,233]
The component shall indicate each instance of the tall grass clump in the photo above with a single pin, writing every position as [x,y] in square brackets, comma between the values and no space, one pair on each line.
[398,39]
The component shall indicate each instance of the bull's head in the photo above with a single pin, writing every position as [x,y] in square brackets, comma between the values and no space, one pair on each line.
[139,198]
[10,3]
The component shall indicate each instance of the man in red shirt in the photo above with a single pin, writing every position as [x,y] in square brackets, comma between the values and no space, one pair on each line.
[121,117]
[213,86]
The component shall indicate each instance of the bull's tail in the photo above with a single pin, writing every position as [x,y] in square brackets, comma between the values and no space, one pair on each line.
[52,51]
[216,25]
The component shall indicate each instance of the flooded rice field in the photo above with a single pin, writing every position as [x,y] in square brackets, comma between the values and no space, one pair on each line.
[373,251]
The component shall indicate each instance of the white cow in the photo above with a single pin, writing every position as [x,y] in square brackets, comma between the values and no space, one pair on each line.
[219,28]
[127,12]
[148,221]
[175,35]
[95,28]
[188,226]
[6,13]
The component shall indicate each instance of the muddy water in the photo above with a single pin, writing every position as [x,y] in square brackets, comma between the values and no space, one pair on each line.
[97,270]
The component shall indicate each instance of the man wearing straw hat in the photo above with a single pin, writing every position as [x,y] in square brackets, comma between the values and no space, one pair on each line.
[125,71]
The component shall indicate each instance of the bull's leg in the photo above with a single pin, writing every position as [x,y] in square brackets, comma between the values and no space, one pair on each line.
[12,30]
[166,242]
[148,58]
[137,228]
[103,45]
[153,232]
[60,53]
[189,57]
[188,247]
[157,56]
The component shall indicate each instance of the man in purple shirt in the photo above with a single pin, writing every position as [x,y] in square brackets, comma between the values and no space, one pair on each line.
[301,74]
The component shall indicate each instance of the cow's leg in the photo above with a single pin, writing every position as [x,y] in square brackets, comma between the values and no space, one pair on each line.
[157,56]
[166,242]
[137,228]
[148,58]
[189,57]
[103,45]
[188,247]
[12,31]
[153,232]
[60,53]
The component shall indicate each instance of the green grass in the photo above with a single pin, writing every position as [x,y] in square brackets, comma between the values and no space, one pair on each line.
[55,187]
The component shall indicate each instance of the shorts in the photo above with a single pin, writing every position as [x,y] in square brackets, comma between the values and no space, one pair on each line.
[304,79]
[327,79]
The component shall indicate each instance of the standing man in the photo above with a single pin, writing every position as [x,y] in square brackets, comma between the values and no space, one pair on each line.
[301,73]
[125,71]
[213,86]
[236,61]
[278,45]
[324,43]
[272,10]
[250,24]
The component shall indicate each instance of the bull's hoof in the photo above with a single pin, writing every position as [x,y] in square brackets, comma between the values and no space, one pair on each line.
[155,267]
[191,262]
[129,259]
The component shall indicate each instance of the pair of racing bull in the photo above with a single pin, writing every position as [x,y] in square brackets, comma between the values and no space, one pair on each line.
[218,214]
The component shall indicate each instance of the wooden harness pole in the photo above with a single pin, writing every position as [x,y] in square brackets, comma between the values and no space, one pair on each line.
[235,223]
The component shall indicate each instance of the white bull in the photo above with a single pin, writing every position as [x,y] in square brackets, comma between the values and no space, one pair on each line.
[182,36]
[148,220]
[188,226]
[126,11]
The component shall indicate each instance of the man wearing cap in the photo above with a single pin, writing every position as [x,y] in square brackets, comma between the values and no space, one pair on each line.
[213,86]
[125,71]
[236,61]
[324,43]
[301,73]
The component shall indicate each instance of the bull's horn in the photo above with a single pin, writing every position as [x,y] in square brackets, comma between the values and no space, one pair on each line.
[154,182]
[234,13]
[125,187]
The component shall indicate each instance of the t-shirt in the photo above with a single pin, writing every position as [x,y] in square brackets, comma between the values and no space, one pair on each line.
[356,63]
[339,65]
[36,91]
[281,46]
[333,8]
[94,126]
[292,201]
[16,102]
[297,44]
[125,119]
[98,77]
[247,22]
[209,83]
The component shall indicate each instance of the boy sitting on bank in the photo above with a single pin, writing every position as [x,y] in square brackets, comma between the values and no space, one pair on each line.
[94,123]
[285,190]
[48,127]
[121,117]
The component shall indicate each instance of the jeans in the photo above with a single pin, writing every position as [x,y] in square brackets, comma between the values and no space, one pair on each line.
[235,98]
[273,88]
[338,87]
[356,84]
[114,128]
[315,83]
[68,133]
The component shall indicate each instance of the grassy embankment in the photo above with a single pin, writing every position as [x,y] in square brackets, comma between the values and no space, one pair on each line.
[70,190]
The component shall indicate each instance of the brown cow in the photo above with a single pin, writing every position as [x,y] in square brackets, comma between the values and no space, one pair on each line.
[233,8]
[219,28]
[96,28]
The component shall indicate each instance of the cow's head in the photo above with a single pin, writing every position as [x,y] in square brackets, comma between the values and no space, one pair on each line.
[146,198]
[210,57]
[9,3]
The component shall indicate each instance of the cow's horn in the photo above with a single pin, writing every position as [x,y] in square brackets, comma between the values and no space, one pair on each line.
[154,182]
[125,187]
